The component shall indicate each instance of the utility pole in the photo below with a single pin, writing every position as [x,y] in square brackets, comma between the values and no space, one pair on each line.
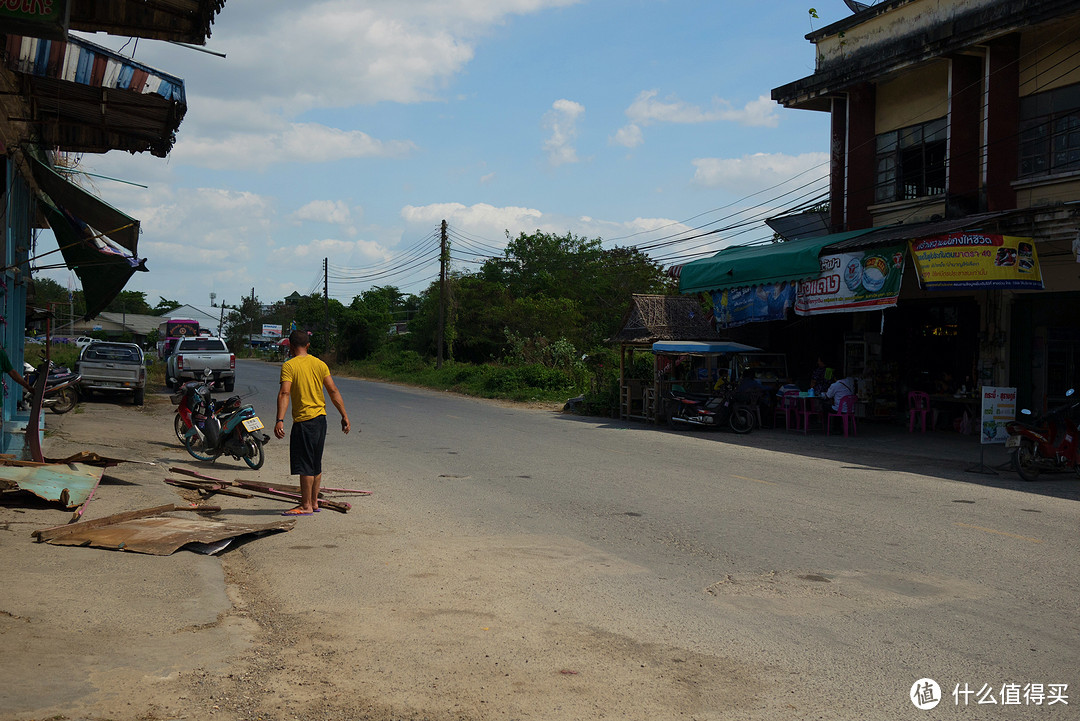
[443,254]
[326,304]
[251,328]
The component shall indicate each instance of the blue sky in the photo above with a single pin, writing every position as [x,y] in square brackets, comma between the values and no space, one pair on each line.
[349,129]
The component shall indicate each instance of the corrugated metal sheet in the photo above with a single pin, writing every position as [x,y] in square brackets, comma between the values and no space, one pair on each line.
[69,485]
[87,98]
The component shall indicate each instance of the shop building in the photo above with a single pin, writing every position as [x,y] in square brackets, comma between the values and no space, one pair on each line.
[61,94]
[955,175]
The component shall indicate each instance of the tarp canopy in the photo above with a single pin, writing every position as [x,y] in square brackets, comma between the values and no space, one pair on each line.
[97,241]
[748,265]
[696,347]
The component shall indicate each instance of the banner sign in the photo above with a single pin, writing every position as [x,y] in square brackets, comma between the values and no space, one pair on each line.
[753,304]
[36,18]
[961,261]
[271,330]
[858,280]
[998,408]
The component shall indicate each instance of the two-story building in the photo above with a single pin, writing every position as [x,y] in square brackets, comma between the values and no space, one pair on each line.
[955,147]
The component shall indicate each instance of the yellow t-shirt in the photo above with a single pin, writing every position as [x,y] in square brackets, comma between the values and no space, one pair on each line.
[306,374]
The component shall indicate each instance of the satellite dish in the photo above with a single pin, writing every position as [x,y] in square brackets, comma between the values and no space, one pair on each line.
[855,6]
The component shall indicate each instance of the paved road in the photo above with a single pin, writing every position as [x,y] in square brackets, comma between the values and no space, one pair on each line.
[749,583]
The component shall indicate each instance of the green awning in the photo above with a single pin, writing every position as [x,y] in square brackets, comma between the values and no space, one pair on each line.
[97,241]
[745,265]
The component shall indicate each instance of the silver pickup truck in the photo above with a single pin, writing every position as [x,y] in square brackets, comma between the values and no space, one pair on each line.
[113,368]
[192,355]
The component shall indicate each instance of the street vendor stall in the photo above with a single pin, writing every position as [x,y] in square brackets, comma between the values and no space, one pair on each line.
[694,365]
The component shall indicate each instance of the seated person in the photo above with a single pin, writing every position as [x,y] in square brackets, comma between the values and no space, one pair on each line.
[839,389]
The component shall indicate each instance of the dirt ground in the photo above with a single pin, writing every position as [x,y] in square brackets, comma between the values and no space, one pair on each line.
[435,628]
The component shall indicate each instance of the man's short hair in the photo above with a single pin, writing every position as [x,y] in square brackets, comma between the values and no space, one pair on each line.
[299,338]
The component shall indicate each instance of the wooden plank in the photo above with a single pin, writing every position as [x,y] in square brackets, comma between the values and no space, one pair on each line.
[287,495]
[207,487]
[45,534]
[197,474]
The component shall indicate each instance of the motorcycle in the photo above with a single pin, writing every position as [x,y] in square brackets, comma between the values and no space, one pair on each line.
[61,388]
[709,411]
[192,401]
[1048,443]
[228,430]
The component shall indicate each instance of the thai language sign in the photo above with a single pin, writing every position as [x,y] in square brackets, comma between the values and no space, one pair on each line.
[45,17]
[998,409]
[272,330]
[859,280]
[976,260]
[753,304]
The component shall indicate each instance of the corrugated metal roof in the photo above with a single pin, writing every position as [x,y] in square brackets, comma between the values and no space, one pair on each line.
[90,99]
[890,234]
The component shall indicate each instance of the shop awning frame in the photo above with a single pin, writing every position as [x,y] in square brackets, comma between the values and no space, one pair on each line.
[688,347]
[749,265]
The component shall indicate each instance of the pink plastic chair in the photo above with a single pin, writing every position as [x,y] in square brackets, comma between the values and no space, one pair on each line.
[846,412]
[918,402]
[811,408]
[789,409]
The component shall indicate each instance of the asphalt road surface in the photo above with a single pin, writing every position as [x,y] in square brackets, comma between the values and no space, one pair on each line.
[522,563]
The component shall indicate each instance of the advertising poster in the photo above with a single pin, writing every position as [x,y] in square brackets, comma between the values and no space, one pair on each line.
[998,408]
[961,261]
[739,306]
[273,330]
[859,280]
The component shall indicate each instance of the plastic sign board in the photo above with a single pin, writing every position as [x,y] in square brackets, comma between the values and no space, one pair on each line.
[271,330]
[35,18]
[998,409]
[961,261]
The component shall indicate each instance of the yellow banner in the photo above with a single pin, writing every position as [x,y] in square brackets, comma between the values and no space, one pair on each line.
[976,260]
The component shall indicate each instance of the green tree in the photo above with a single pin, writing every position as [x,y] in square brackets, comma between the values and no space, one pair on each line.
[164,306]
[130,301]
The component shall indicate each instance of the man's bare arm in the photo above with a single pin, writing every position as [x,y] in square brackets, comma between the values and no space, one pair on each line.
[282,407]
[338,401]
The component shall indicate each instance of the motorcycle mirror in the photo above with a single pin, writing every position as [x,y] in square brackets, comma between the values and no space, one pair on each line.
[1025,411]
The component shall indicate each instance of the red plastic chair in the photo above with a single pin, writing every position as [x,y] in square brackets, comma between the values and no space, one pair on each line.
[918,402]
[789,409]
[846,412]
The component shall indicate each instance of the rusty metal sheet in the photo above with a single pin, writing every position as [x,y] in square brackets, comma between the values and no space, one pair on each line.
[70,485]
[156,534]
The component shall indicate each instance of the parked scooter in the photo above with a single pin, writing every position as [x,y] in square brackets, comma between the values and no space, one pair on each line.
[228,429]
[1049,443]
[709,411]
[192,401]
[61,388]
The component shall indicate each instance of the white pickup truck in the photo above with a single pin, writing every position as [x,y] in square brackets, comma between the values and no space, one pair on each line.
[112,368]
[192,355]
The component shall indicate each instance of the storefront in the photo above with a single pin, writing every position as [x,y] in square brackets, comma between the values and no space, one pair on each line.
[918,308]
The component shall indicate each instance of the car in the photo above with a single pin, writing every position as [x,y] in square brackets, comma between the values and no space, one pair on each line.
[113,368]
[83,341]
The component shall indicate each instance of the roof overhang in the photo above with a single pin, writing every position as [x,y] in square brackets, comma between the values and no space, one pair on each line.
[184,21]
[85,98]
[686,347]
[98,242]
[900,45]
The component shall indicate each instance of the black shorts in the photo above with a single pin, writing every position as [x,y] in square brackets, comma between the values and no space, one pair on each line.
[306,446]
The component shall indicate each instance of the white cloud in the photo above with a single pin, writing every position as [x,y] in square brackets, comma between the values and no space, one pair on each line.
[629,136]
[761,170]
[489,219]
[561,120]
[485,179]
[325,211]
[342,252]
[293,143]
[646,109]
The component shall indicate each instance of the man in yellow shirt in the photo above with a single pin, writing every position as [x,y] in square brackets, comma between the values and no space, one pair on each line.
[303,378]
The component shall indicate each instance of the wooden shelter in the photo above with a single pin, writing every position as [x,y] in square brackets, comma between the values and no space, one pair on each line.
[652,318]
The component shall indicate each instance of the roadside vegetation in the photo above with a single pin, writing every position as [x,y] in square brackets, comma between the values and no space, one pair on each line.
[530,324]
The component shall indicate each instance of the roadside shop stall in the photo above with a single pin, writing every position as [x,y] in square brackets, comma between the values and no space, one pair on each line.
[695,366]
